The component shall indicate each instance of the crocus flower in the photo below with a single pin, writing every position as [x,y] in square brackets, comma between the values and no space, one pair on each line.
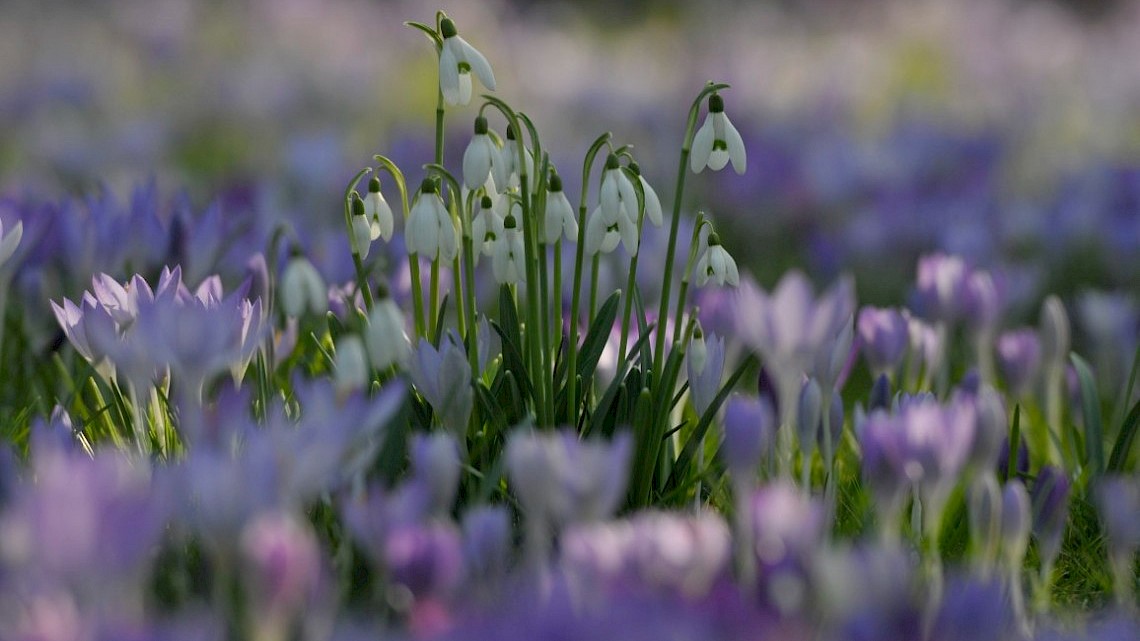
[717,141]
[426,558]
[883,336]
[1050,511]
[705,377]
[1019,359]
[457,60]
[941,289]
[10,241]
[284,562]
[749,424]
[443,377]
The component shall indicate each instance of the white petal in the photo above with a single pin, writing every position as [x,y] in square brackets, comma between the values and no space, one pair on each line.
[595,232]
[716,264]
[478,63]
[449,75]
[735,146]
[551,225]
[464,88]
[652,203]
[362,235]
[731,273]
[628,195]
[702,146]
[447,234]
[610,196]
[702,269]
[628,230]
[476,162]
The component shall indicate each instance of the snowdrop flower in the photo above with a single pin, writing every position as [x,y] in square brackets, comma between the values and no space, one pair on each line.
[385,338]
[716,264]
[506,171]
[617,194]
[479,156]
[717,141]
[600,236]
[361,238]
[652,202]
[559,214]
[486,227]
[430,231]
[378,212]
[350,365]
[10,241]
[302,288]
[507,261]
[457,60]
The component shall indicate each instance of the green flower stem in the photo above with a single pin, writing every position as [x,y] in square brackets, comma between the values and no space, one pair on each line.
[469,286]
[631,281]
[694,246]
[533,338]
[433,292]
[361,276]
[413,259]
[576,294]
[556,298]
[595,266]
[670,250]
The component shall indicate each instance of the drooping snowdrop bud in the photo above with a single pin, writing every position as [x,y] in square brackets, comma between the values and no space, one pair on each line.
[350,364]
[10,241]
[716,264]
[507,263]
[385,337]
[361,228]
[302,288]
[652,202]
[506,171]
[749,424]
[430,231]
[378,212]
[480,154]
[698,352]
[486,226]
[457,60]
[559,214]
[717,141]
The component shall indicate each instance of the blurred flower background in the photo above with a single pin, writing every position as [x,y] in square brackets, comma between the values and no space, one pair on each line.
[1005,131]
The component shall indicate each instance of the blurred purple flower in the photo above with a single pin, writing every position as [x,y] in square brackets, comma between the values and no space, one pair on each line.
[941,290]
[883,336]
[749,425]
[1019,360]
[443,377]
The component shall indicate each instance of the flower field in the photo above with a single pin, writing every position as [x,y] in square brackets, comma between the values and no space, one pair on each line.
[346,320]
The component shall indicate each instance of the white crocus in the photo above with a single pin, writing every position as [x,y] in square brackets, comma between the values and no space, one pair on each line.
[10,241]
[379,214]
[507,262]
[717,141]
[361,228]
[478,158]
[430,232]
[386,338]
[302,289]
[717,265]
[559,214]
[457,60]
[486,226]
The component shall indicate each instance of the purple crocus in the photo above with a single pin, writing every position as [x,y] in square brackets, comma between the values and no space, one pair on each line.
[883,337]
[1050,495]
[443,377]
[749,425]
[705,379]
[941,291]
[1019,360]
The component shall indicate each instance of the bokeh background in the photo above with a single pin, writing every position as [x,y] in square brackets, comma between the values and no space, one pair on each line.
[1004,130]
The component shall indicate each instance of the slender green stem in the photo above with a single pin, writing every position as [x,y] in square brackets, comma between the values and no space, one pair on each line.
[556,289]
[670,249]
[439,127]
[595,266]
[413,259]
[358,264]
[631,282]
[694,247]
[433,292]
[576,295]
[469,286]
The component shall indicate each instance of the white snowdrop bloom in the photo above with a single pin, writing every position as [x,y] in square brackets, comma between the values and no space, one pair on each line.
[10,241]
[559,214]
[302,289]
[361,228]
[717,265]
[617,195]
[652,202]
[430,232]
[457,60]
[480,155]
[507,261]
[386,338]
[506,172]
[350,364]
[378,212]
[627,229]
[600,236]
[717,141]
[486,226]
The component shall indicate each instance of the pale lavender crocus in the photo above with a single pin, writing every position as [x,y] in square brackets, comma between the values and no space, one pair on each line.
[443,377]
[883,337]
[1019,360]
